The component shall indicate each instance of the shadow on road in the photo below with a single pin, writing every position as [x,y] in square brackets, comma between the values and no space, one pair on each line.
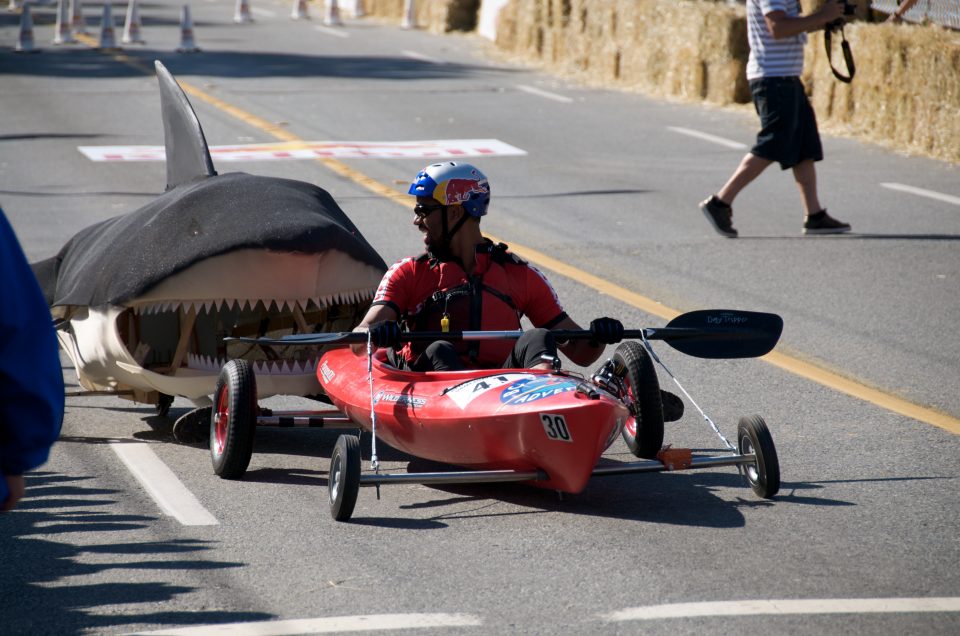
[40,589]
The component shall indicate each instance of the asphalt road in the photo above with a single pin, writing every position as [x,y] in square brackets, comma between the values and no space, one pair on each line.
[862,537]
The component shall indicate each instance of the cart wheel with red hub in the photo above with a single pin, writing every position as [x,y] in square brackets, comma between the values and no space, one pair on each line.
[233,420]
[753,438]
[643,432]
[344,477]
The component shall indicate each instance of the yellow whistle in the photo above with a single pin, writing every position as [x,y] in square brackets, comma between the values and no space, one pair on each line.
[445,323]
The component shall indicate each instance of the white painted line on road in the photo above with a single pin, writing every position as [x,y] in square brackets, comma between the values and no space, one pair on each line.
[340,33]
[265,13]
[326,625]
[284,151]
[930,194]
[161,484]
[533,90]
[787,606]
[423,58]
[729,143]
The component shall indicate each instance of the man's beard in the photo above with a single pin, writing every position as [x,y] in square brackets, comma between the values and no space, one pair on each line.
[439,249]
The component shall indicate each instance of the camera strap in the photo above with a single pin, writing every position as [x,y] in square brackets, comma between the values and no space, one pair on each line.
[847,55]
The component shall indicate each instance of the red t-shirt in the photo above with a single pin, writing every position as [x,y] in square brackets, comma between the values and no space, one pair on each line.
[502,289]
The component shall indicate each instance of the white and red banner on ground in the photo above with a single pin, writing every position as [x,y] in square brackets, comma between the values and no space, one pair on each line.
[437,149]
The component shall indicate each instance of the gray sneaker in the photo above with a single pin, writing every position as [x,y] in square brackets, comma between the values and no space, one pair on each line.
[720,216]
[823,223]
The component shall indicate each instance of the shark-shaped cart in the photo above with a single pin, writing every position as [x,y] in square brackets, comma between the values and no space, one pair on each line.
[144,300]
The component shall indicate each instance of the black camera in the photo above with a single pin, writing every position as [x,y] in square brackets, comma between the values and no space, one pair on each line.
[849,9]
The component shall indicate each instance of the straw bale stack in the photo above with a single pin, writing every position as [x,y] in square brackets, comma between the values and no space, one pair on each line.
[684,48]
[906,91]
[437,16]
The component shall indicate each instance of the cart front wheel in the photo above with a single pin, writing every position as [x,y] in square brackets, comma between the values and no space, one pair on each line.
[753,438]
[233,419]
[643,432]
[344,478]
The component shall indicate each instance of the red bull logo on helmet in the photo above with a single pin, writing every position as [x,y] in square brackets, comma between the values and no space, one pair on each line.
[456,191]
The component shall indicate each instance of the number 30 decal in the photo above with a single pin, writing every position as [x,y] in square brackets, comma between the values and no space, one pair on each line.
[556,427]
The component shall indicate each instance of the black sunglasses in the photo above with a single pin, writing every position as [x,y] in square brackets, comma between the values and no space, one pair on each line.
[423,211]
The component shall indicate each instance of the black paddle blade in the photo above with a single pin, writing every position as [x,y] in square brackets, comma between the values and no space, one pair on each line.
[721,333]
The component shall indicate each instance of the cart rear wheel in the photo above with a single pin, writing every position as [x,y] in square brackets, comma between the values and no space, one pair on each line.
[344,477]
[233,420]
[753,438]
[643,432]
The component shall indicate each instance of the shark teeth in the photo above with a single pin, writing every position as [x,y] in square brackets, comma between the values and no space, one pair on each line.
[279,367]
[244,304]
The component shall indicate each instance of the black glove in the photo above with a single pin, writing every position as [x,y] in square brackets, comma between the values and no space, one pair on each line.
[385,334]
[606,330]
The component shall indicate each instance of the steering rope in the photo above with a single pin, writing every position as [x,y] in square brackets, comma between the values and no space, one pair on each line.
[374,461]
[726,442]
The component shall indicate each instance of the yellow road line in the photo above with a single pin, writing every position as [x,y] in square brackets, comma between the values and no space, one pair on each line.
[786,362]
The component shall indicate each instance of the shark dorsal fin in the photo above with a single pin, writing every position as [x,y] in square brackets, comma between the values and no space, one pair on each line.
[188,157]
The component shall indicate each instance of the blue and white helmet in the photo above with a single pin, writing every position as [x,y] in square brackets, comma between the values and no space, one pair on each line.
[454,183]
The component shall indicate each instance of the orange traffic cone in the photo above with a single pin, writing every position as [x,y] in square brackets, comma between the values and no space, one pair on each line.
[299,11]
[131,28]
[242,13]
[108,40]
[77,21]
[63,32]
[25,38]
[187,43]
[409,20]
[332,16]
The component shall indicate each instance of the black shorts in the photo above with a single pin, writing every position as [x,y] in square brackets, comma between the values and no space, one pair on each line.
[788,132]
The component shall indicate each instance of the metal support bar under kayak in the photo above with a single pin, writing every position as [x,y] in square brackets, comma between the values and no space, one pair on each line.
[653,466]
[458,477]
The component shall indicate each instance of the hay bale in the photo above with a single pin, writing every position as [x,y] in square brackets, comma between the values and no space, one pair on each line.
[437,16]
[906,91]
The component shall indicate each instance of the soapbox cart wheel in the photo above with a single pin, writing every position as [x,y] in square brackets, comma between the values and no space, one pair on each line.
[233,420]
[753,438]
[643,433]
[344,476]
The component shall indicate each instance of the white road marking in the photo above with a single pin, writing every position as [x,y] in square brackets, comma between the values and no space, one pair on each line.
[326,625]
[787,606]
[729,143]
[340,33]
[161,484]
[423,58]
[282,151]
[533,90]
[266,13]
[930,194]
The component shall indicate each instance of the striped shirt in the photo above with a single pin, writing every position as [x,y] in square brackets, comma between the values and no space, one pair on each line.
[770,57]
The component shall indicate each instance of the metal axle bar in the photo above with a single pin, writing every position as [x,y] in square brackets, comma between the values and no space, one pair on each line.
[653,466]
[457,477]
[305,419]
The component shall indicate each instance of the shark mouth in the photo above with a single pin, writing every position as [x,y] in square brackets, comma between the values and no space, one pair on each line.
[177,337]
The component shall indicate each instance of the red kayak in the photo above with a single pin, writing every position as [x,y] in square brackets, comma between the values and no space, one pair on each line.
[547,428]
[488,419]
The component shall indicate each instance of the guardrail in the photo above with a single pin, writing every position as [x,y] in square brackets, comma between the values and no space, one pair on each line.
[943,12]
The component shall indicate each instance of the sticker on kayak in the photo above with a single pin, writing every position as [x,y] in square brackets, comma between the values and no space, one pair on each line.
[556,427]
[399,399]
[535,388]
[326,372]
[464,394]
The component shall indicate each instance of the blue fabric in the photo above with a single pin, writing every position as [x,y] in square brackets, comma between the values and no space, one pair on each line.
[31,380]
